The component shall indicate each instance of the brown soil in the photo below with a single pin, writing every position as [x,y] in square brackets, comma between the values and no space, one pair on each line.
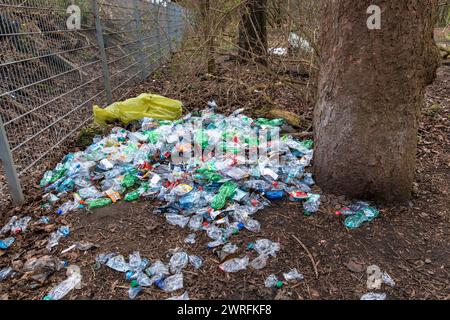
[410,242]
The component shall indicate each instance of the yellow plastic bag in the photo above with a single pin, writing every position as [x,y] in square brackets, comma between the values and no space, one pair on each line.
[145,105]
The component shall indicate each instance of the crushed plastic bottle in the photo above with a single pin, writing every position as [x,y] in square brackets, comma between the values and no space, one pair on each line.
[62,289]
[293,275]
[235,264]
[6,243]
[184,296]
[54,238]
[226,191]
[157,270]
[358,213]
[267,247]
[227,249]
[7,227]
[190,239]
[6,273]
[172,283]
[386,278]
[98,203]
[177,220]
[133,292]
[178,262]
[118,263]
[20,225]
[374,296]
[312,204]
[273,282]
[195,261]
[259,262]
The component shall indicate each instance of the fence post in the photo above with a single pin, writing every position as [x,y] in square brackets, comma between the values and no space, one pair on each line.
[137,18]
[158,33]
[101,47]
[8,165]
[169,26]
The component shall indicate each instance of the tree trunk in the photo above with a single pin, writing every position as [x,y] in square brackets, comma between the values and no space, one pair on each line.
[209,38]
[370,91]
[253,31]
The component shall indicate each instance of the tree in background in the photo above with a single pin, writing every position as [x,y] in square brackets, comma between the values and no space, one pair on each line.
[205,13]
[371,87]
[253,30]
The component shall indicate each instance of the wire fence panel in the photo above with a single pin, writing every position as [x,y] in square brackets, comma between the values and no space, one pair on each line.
[52,73]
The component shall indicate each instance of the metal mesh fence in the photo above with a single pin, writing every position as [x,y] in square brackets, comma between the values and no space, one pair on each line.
[51,76]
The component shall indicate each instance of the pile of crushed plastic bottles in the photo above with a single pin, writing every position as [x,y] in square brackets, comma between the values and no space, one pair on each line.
[219,194]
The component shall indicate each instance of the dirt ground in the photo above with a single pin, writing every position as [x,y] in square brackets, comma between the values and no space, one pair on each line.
[411,242]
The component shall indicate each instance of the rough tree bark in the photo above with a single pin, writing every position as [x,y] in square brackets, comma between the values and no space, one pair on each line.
[209,38]
[253,31]
[370,91]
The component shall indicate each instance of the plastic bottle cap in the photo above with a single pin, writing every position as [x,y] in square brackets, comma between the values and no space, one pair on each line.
[279,284]
[134,283]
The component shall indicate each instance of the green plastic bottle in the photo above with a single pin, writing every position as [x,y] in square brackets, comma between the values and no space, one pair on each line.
[134,195]
[226,191]
[98,203]
[129,180]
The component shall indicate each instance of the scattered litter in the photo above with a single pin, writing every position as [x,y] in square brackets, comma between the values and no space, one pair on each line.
[374,296]
[374,277]
[172,283]
[184,296]
[118,263]
[357,213]
[81,245]
[195,261]
[62,289]
[386,278]
[235,264]
[273,282]
[15,225]
[178,262]
[267,247]
[6,273]
[227,249]
[6,243]
[259,262]
[278,51]
[190,239]
[54,238]
[293,275]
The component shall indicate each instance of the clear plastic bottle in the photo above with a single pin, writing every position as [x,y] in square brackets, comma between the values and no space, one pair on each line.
[178,261]
[235,264]
[259,262]
[172,283]
[62,289]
